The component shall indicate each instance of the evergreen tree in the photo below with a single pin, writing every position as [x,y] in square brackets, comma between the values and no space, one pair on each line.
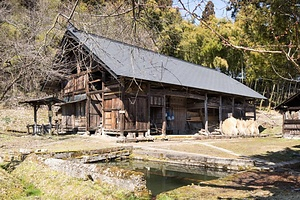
[208,11]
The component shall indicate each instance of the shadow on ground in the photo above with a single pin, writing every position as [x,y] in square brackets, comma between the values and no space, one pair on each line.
[285,155]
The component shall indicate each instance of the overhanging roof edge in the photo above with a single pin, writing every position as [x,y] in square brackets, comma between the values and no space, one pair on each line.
[241,90]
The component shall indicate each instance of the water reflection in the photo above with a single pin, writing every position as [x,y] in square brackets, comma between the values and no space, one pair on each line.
[161,177]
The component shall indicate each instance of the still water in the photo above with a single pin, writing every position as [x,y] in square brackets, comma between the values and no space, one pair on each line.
[162,177]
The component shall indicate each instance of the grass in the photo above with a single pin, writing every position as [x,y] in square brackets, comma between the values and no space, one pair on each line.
[17,119]
[270,148]
[31,190]
[243,185]
[49,184]
[253,147]
[10,187]
[41,182]
[200,149]
[13,142]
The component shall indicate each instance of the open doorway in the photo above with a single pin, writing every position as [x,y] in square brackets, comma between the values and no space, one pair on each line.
[156,120]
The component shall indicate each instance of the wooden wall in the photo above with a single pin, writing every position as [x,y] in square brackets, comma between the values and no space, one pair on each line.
[291,123]
[122,106]
[73,116]
[75,84]
[291,127]
[111,107]
[177,115]
[95,115]
[136,113]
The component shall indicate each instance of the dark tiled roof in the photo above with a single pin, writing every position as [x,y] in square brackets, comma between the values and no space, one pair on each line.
[131,61]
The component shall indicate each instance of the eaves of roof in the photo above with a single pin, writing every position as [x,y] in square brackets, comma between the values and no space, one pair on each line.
[292,102]
[134,62]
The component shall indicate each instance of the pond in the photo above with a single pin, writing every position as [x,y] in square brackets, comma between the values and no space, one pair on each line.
[162,177]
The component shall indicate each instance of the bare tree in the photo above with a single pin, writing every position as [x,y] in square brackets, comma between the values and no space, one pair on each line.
[27,46]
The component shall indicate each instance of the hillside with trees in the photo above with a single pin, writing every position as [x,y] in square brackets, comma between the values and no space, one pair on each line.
[259,45]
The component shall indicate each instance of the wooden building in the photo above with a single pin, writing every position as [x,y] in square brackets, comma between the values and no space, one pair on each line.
[122,89]
[290,110]
[36,104]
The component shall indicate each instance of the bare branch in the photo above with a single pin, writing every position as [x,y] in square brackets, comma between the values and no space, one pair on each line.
[287,79]
[113,14]
[226,42]
[73,10]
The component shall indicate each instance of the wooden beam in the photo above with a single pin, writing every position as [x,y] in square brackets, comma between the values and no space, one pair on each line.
[113,93]
[95,81]
[177,94]
[113,86]
[293,108]
[99,91]
[82,91]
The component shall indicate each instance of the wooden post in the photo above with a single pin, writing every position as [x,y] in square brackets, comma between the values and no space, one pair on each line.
[254,110]
[35,119]
[122,124]
[206,113]
[232,107]
[164,122]
[50,115]
[102,99]
[87,104]
[244,109]
[148,110]
[35,109]
[220,114]
[283,121]
[87,113]
[73,121]
[122,113]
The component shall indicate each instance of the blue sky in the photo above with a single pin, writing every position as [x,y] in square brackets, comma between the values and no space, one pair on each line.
[220,7]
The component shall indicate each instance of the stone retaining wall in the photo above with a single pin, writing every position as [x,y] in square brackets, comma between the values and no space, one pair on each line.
[192,159]
[125,179]
[88,156]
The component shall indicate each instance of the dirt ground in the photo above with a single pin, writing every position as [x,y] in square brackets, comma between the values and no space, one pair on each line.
[249,184]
